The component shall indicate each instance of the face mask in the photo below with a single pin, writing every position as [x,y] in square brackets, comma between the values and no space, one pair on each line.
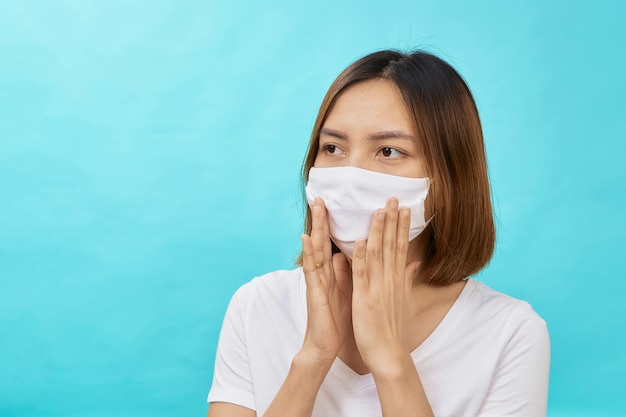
[352,196]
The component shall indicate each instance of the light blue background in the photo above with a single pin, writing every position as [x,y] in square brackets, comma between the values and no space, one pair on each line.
[149,162]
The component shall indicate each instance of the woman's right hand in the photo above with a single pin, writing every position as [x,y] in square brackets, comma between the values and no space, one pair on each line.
[328,292]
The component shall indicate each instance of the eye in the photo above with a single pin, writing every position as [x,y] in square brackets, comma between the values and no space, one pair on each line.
[391,153]
[330,149]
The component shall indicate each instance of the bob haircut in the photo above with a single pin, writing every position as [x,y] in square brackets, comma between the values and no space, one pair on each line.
[462,232]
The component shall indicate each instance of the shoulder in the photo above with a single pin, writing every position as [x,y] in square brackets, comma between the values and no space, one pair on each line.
[504,315]
[487,301]
[275,290]
[274,283]
[508,351]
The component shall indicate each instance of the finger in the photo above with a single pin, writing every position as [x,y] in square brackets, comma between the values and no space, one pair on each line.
[402,242]
[327,249]
[341,267]
[360,282]
[411,272]
[317,235]
[390,239]
[374,247]
[326,245]
[308,254]
[308,263]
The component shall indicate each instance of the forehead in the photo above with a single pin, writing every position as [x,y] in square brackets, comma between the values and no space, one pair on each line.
[372,106]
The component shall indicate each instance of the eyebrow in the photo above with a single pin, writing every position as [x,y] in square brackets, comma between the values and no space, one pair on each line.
[391,134]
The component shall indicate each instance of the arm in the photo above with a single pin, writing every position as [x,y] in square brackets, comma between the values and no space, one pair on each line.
[328,311]
[295,398]
[231,410]
[381,313]
[401,392]
[297,395]
[519,385]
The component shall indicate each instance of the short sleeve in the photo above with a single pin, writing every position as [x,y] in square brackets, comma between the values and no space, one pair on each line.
[519,386]
[232,382]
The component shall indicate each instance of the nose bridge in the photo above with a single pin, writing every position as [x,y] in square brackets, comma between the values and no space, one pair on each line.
[358,157]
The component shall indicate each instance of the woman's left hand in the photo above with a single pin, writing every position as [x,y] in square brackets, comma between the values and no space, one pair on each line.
[382,283]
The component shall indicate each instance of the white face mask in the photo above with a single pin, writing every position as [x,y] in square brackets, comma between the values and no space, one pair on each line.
[352,196]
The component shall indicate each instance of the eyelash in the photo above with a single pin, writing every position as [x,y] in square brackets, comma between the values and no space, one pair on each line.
[392,149]
[326,148]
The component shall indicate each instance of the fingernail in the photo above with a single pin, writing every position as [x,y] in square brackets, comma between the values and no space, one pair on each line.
[381,215]
[393,203]
[405,212]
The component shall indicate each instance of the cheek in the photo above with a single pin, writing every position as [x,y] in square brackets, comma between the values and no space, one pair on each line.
[322,161]
[421,169]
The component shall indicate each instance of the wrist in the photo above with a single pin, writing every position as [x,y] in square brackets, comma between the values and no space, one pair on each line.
[392,368]
[297,395]
[401,391]
[310,366]
[311,358]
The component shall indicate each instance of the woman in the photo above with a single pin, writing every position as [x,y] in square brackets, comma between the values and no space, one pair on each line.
[382,319]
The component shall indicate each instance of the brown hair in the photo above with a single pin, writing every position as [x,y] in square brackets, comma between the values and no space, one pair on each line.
[462,232]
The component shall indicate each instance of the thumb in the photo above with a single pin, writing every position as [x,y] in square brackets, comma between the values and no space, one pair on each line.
[410,275]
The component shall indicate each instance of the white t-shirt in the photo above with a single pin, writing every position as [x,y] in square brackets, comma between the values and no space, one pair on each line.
[489,356]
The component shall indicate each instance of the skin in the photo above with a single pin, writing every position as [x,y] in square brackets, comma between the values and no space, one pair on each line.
[373,312]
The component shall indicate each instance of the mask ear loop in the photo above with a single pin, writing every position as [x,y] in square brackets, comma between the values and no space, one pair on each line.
[428,182]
